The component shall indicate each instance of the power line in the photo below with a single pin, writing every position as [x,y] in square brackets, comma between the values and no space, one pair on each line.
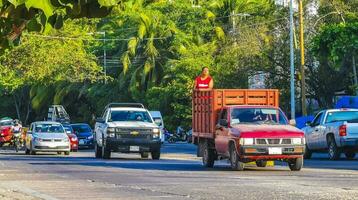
[87,39]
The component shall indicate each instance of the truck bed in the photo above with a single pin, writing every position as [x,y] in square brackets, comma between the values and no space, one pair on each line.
[207,104]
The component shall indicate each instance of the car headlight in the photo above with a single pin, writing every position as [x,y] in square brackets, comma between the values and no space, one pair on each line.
[111,134]
[156,130]
[296,141]
[111,130]
[246,141]
[38,139]
[65,140]
[90,137]
[156,135]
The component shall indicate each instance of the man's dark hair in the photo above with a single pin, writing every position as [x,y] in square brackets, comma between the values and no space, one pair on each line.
[202,69]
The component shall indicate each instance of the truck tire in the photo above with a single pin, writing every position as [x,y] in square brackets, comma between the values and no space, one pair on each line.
[261,163]
[208,156]
[308,153]
[295,164]
[67,153]
[350,155]
[333,152]
[98,151]
[106,153]
[144,155]
[155,154]
[234,159]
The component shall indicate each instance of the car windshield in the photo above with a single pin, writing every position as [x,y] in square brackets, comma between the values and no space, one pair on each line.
[82,128]
[7,123]
[48,128]
[349,116]
[257,116]
[68,129]
[141,116]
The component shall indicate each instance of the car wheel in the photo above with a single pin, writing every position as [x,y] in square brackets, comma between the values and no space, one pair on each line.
[144,155]
[106,153]
[295,164]
[261,163]
[234,160]
[350,155]
[98,151]
[27,151]
[155,154]
[308,153]
[32,152]
[208,156]
[333,151]
[67,153]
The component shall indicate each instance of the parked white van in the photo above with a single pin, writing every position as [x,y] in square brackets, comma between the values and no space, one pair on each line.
[158,119]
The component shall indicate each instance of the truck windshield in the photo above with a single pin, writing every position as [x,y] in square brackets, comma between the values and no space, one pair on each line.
[349,116]
[257,115]
[141,116]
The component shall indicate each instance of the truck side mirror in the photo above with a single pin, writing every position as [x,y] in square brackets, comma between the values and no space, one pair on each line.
[158,122]
[223,122]
[100,120]
[292,122]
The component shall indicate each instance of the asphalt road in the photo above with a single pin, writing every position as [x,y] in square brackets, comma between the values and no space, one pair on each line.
[178,175]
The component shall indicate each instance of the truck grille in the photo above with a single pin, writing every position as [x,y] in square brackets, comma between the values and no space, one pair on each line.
[275,141]
[133,133]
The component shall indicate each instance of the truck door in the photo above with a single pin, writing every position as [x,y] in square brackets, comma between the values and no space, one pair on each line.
[221,138]
[314,132]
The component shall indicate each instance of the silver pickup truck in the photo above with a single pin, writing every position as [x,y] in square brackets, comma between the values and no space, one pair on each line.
[335,131]
[126,128]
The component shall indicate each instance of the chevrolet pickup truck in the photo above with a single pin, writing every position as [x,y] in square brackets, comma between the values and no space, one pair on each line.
[126,128]
[244,126]
[335,131]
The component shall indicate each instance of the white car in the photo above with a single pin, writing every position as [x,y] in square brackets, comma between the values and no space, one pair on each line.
[47,137]
[158,119]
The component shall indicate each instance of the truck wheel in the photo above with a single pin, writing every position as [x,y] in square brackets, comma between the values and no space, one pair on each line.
[234,160]
[98,151]
[208,155]
[261,163]
[106,153]
[144,154]
[59,153]
[350,155]
[295,164]
[155,154]
[308,153]
[333,151]
[67,153]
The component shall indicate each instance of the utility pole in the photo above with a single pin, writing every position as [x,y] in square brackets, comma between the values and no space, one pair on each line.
[292,64]
[302,47]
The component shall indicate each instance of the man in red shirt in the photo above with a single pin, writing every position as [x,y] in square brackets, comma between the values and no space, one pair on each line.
[204,82]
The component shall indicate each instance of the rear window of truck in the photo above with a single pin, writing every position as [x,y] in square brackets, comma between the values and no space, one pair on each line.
[341,116]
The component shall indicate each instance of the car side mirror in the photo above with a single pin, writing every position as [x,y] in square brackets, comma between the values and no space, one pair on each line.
[100,120]
[224,123]
[292,122]
[309,123]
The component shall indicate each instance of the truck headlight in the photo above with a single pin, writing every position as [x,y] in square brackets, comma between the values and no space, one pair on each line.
[296,141]
[156,130]
[111,130]
[246,141]
[111,134]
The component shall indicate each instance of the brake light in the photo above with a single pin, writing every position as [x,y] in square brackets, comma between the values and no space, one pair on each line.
[343,130]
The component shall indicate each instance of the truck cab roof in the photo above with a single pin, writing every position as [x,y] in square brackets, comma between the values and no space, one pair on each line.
[250,106]
[128,109]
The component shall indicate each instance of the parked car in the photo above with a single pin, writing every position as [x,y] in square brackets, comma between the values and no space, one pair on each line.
[126,128]
[244,126]
[6,133]
[334,131]
[84,134]
[158,119]
[47,137]
[72,136]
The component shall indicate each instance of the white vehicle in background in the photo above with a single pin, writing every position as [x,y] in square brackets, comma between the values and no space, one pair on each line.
[335,131]
[158,119]
[47,137]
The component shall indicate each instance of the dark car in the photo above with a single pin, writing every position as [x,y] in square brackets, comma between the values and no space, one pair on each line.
[84,134]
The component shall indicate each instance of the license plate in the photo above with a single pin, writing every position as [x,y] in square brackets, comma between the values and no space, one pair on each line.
[134,148]
[81,142]
[275,150]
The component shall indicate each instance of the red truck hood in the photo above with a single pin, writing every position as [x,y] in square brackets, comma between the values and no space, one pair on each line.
[267,131]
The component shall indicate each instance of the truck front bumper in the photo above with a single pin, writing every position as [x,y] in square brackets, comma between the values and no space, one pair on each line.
[252,153]
[124,145]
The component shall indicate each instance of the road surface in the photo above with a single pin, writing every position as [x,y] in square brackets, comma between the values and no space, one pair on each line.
[178,175]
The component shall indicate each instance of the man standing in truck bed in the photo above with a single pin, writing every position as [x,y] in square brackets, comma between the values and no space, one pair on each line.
[204,82]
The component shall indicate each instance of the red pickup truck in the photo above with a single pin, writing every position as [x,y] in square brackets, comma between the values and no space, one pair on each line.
[244,126]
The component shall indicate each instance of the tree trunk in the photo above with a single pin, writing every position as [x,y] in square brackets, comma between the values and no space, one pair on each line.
[17,107]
